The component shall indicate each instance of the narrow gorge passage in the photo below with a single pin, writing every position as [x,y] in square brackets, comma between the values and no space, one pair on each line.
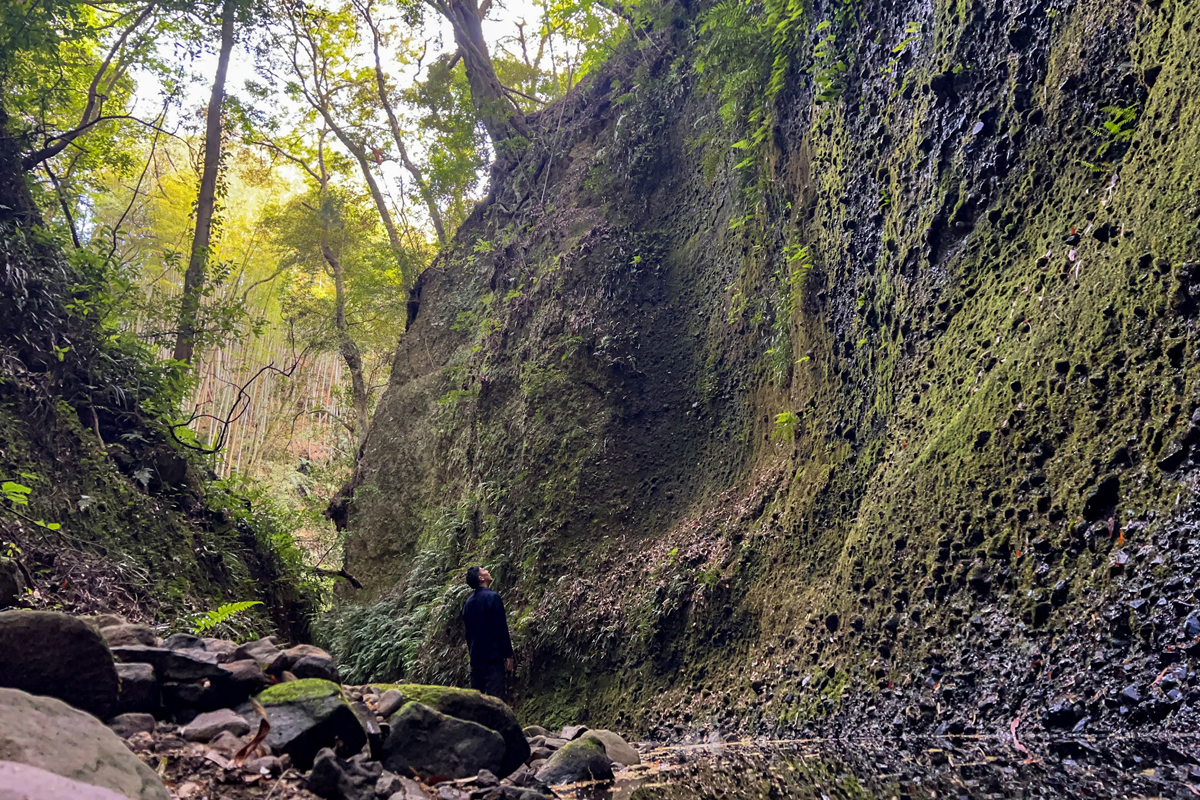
[754,398]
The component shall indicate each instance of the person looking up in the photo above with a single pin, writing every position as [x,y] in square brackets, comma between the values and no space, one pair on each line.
[488,642]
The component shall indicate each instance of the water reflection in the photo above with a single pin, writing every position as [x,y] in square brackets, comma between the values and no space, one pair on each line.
[831,770]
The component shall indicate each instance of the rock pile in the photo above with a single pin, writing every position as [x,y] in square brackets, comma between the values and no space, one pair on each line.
[261,713]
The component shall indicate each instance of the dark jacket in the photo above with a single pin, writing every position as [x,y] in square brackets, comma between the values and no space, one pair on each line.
[487,627]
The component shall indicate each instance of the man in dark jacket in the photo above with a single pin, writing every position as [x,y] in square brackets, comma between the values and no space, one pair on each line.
[487,635]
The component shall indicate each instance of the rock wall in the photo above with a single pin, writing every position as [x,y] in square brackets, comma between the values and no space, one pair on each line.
[875,402]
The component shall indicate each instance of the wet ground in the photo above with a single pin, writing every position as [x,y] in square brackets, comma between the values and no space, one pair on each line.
[976,767]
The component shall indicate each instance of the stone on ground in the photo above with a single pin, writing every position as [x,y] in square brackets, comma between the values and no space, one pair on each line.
[285,660]
[240,680]
[573,732]
[138,689]
[12,582]
[172,664]
[44,652]
[389,703]
[437,745]
[46,733]
[472,706]
[409,790]
[23,782]
[207,725]
[617,748]
[223,649]
[183,641]
[307,716]
[262,651]
[102,621]
[535,730]
[316,667]
[584,759]
[129,633]
[338,779]
[126,725]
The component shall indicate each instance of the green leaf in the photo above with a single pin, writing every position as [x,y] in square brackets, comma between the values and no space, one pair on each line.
[222,614]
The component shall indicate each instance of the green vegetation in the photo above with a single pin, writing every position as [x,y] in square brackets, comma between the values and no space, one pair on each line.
[298,691]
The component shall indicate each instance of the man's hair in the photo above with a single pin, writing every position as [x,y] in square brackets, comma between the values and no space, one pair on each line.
[473,577]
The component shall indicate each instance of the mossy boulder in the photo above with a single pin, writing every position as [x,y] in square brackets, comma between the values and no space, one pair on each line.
[470,705]
[47,653]
[439,746]
[48,734]
[306,716]
[584,759]
[615,746]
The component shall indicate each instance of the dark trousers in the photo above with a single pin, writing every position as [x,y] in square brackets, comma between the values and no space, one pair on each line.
[488,677]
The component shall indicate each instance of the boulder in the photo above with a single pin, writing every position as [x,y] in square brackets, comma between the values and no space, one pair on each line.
[181,702]
[102,621]
[389,783]
[370,724]
[286,660]
[138,690]
[262,651]
[583,759]
[472,706]
[126,725]
[44,652]
[307,716]
[535,730]
[129,633]
[573,732]
[23,782]
[206,726]
[316,667]
[12,582]
[240,680]
[617,748]
[389,703]
[223,649]
[186,664]
[409,790]
[338,779]
[439,746]
[46,733]
[183,641]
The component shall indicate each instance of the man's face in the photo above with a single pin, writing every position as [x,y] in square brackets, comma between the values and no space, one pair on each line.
[485,578]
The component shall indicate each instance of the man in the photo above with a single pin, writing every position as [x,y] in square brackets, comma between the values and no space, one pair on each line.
[487,635]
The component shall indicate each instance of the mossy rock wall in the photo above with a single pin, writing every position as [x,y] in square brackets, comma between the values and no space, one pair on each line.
[895,418]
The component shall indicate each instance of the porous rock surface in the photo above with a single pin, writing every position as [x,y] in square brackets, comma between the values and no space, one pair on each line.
[911,325]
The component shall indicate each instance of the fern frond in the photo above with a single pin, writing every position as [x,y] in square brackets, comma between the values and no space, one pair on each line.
[222,614]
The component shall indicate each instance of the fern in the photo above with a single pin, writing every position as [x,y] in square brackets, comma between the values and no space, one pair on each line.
[220,615]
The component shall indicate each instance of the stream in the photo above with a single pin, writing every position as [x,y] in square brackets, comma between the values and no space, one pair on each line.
[970,767]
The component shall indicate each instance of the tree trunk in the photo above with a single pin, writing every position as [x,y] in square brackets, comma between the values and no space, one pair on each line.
[435,213]
[347,347]
[360,155]
[193,278]
[503,120]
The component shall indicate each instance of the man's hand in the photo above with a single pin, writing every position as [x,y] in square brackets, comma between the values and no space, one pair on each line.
[508,664]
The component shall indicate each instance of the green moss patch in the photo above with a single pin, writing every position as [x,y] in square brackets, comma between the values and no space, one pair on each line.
[298,691]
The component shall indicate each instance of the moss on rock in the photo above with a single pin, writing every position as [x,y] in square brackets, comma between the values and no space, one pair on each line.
[298,691]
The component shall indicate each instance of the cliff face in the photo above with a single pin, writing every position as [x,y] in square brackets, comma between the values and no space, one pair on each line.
[886,412]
